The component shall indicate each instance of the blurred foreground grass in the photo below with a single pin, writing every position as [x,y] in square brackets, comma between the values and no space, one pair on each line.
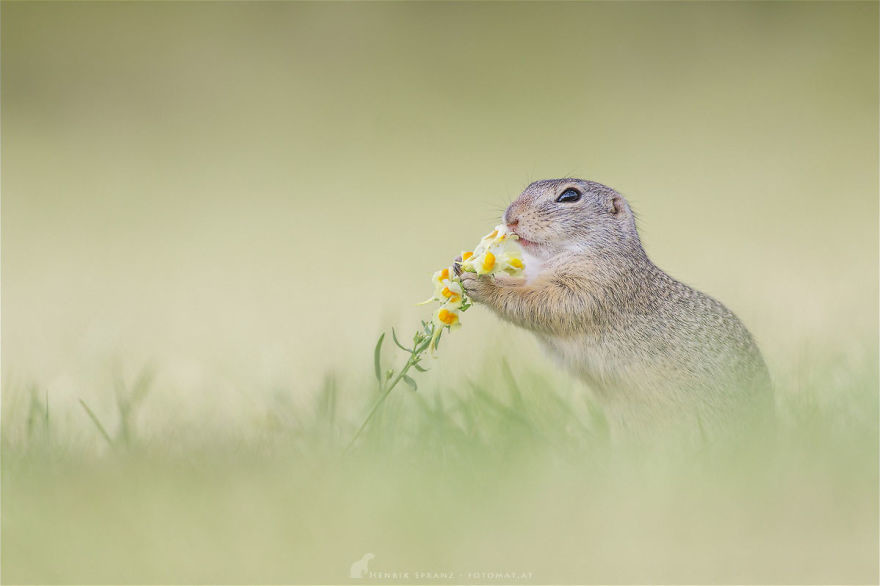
[510,474]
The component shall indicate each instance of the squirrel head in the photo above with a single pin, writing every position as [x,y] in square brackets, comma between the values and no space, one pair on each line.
[557,216]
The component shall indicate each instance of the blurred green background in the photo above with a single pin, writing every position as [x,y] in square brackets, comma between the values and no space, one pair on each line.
[244,194]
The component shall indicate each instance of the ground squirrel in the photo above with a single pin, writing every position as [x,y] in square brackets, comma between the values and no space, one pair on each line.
[652,348]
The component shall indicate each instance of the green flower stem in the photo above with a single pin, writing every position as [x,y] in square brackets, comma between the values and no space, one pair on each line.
[414,358]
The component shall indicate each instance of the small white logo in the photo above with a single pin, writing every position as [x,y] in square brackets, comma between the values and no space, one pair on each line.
[359,568]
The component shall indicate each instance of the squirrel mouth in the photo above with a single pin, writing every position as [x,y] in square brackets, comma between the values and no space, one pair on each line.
[524,242]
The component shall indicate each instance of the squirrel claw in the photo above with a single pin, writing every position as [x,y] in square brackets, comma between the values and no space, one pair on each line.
[456,266]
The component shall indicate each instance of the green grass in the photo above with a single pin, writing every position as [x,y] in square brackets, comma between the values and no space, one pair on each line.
[513,473]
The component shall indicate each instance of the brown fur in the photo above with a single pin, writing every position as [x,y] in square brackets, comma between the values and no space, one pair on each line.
[654,350]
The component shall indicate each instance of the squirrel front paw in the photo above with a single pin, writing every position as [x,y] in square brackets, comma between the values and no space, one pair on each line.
[477,288]
[482,288]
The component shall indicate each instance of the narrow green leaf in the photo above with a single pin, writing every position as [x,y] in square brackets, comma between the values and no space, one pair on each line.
[420,368]
[396,341]
[410,382]
[377,358]
[423,346]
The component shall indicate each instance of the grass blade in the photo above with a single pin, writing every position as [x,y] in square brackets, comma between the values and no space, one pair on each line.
[327,400]
[512,387]
[142,385]
[97,422]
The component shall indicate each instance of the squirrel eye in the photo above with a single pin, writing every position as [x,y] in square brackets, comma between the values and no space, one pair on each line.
[568,196]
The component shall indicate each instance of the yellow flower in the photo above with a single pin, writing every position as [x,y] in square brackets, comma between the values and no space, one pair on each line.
[446,287]
[452,293]
[447,316]
[510,262]
[488,262]
[497,252]
[442,276]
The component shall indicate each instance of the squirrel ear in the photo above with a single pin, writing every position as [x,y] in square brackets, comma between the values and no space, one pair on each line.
[616,204]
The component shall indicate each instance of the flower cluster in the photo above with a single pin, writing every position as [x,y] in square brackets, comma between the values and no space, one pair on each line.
[449,292]
[497,252]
